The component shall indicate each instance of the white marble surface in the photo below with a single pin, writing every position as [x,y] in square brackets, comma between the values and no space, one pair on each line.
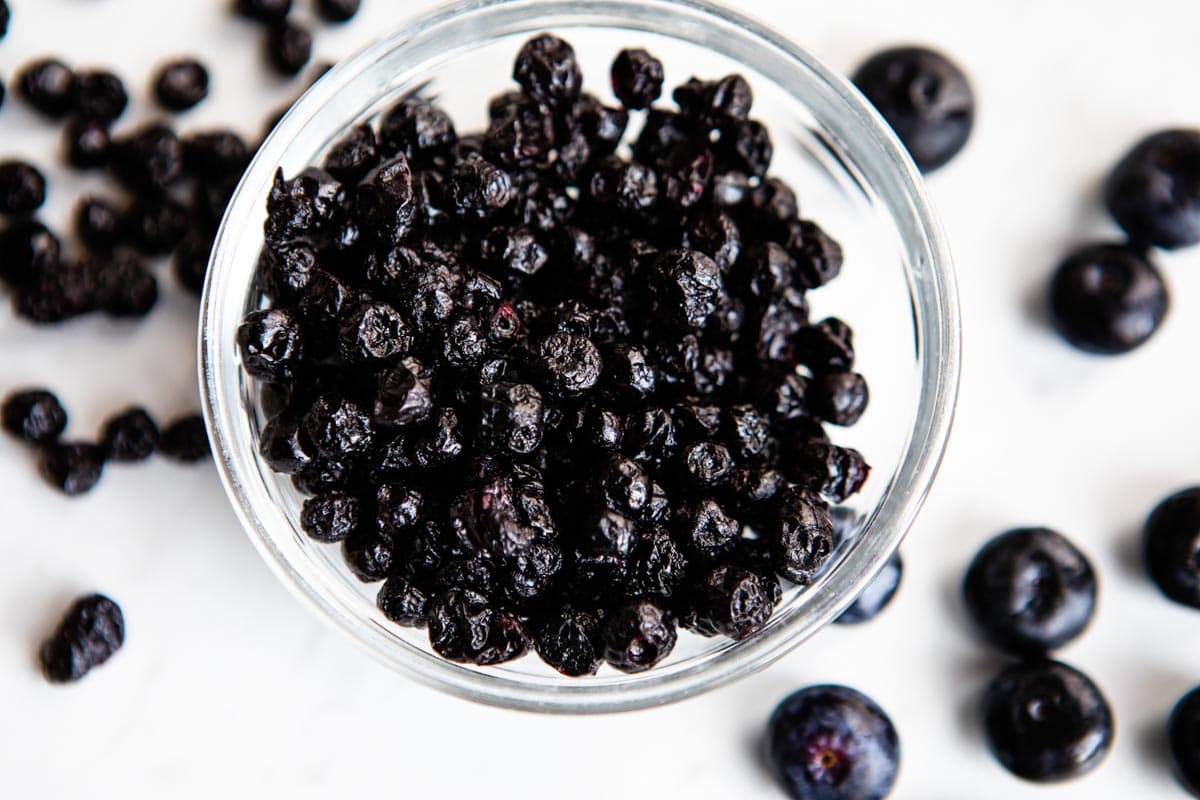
[227,687]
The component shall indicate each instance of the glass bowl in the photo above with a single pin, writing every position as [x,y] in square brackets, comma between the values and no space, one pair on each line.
[852,176]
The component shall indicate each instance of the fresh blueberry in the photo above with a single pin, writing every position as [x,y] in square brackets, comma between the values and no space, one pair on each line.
[1183,738]
[1107,299]
[1030,591]
[1171,539]
[833,743]
[1154,191]
[876,596]
[926,99]
[1045,721]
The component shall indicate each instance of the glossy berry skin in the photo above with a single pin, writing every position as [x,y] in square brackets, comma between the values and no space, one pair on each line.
[732,602]
[839,398]
[330,517]
[91,631]
[925,97]
[1170,540]
[74,468]
[86,143]
[1045,721]
[22,188]
[877,596]
[1154,191]
[1030,591]
[1107,299]
[181,85]
[638,635]
[271,343]
[404,602]
[547,71]
[465,627]
[49,86]
[99,95]
[186,440]
[338,10]
[569,641]
[637,78]
[1183,741]
[832,743]
[801,536]
[33,415]
[264,10]
[129,436]
[289,47]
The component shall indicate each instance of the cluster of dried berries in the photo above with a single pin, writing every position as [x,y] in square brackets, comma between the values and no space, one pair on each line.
[553,396]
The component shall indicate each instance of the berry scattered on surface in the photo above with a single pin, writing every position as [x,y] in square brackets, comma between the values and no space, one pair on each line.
[289,47]
[832,743]
[1045,721]
[88,635]
[180,85]
[49,86]
[33,415]
[1183,741]
[186,440]
[74,468]
[1154,191]
[1171,539]
[130,435]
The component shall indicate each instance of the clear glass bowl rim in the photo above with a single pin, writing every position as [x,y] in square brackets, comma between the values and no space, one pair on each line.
[885,165]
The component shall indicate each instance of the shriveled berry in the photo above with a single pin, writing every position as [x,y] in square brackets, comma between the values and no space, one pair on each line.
[22,188]
[926,99]
[705,530]
[288,47]
[337,426]
[730,601]
[478,189]
[338,10]
[186,440]
[180,85]
[569,641]
[833,471]
[403,602]
[330,516]
[833,743]
[1107,299]
[404,396]
[838,397]
[1170,539]
[148,159]
[311,206]
[818,256]
[1045,721]
[512,415]
[373,331]
[155,224]
[48,85]
[213,154]
[800,535]
[547,71]
[713,101]
[74,468]
[384,199]
[99,95]
[684,288]
[876,596]
[637,78]
[1030,591]
[417,128]
[1154,191]
[827,346]
[570,364]
[91,631]
[369,554]
[638,635]
[271,343]
[33,415]
[353,155]
[129,436]
[464,626]
[282,447]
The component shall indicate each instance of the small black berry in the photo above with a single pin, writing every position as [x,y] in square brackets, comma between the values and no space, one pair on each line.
[181,85]
[289,47]
[186,440]
[33,415]
[129,436]
[99,95]
[73,468]
[22,188]
[48,85]
[90,632]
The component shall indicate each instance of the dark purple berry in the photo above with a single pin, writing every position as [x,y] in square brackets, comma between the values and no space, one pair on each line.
[330,517]
[637,78]
[129,436]
[149,159]
[214,154]
[833,743]
[569,641]
[289,47]
[352,156]
[98,223]
[1107,299]
[337,426]
[729,98]
[190,262]
[48,85]
[800,536]
[88,635]
[1154,191]
[1030,591]
[547,71]
[272,344]
[373,331]
[404,396]
[384,200]
[338,10]
[1171,539]
[264,10]
[1045,721]
[638,635]
[33,415]
[124,287]
[403,602]
[155,224]
[417,128]
[180,85]
[186,440]
[926,99]
[99,95]
[732,602]
[22,188]
[1183,741]
[73,468]
[838,397]
[464,626]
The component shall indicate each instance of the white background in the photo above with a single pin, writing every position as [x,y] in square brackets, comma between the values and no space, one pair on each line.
[227,687]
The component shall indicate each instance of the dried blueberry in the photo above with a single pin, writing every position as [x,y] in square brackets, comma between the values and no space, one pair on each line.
[181,85]
[48,85]
[637,78]
[148,159]
[547,71]
[338,10]
[129,436]
[403,601]
[288,47]
[464,626]
[87,143]
[569,641]
[271,343]
[1154,191]
[99,95]
[730,601]
[33,415]
[638,635]
[90,632]
[186,440]
[264,10]
[22,188]
[74,468]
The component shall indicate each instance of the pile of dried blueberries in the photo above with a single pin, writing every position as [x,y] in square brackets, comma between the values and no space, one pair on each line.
[555,395]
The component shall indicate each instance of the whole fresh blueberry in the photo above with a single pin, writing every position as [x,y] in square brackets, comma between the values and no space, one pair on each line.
[1045,721]
[926,99]
[833,743]
[1154,191]
[1107,299]
[1171,539]
[1183,739]
[876,596]
[1030,591]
